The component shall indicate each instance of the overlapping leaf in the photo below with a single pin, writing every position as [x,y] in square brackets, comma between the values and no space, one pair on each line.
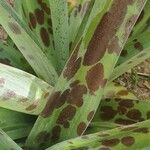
[21,91]
[130,137]
[6,143]
[27,43]
[63,120]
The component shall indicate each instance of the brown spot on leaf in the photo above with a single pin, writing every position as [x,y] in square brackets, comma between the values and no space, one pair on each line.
[142,130]
[76,95]
[122,93]
[55,133]
[104,35]
[66,115]
[51,104]
[39,16]
[32,20]
[31,107]
[128,141]
[126,103]
[81,127]
[138,46]
[63,97]
[73,65]
[5,61]
[124,121]
[90,115]
[9,94]
[43,137]
[95,77]
[46,95]
[49,21]
[14,27]
[148,115]
[45,8]
[121,110]
[124,53]
[2,82]
[107,113]
[110,142]
[134,114]
[76,82]
[45,37]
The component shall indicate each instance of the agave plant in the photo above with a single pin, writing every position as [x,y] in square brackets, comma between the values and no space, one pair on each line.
[57,72]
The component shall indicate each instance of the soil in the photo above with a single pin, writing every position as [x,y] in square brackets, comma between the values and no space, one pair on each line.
[138,80]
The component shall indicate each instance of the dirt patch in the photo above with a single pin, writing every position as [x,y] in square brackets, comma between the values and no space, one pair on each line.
[138,80]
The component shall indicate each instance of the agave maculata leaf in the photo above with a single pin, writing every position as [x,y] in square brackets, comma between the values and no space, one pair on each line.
[18,6]
[21,91]
[27,43]
[137,47]
[132,62]
[12,57]
[16,125]
[129,137]
[6,143]
[38,17]
[143,22]
[85,74]
[141,28]
[78,17]
[60,28]
[29,93]
[114,90]
[122,111]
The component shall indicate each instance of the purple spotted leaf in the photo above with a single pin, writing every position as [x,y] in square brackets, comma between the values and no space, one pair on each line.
[20,91]
[85,74]
[9,55]
[122,111]
[37,15]
[128,137]
[137,47]
[27,43]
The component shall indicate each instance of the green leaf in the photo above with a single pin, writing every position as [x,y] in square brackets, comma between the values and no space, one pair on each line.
[114,90]
[11,56]
[137,47]
[59,16]
[138,51]
[6,143]
[16,125]
[78,17]
[122,111]
[27,43]
[131,137]
[21,91]
[142,24]
[85,81]
[38,17]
